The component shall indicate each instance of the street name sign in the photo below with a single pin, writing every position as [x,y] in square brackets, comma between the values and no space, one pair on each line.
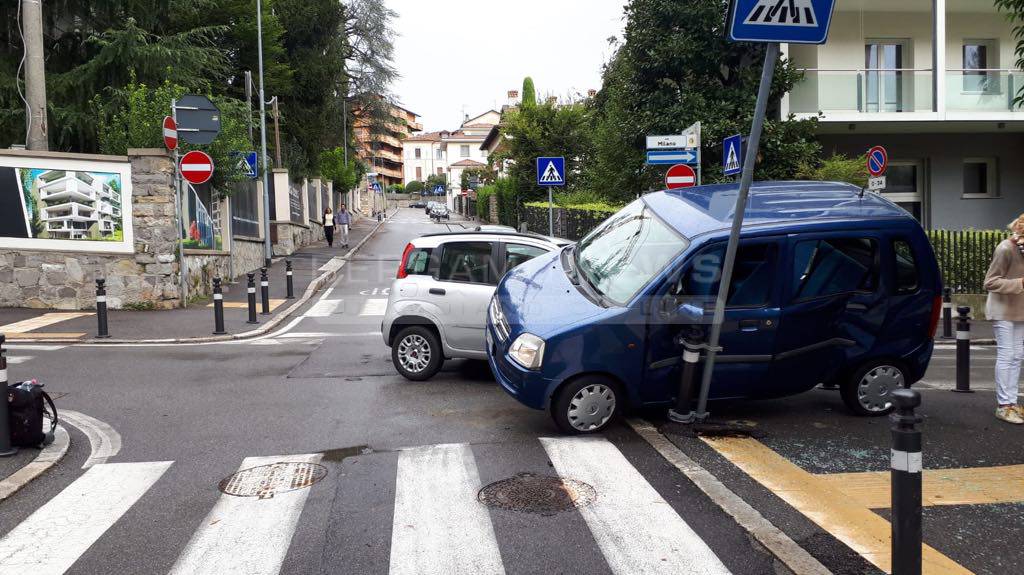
[170,133]
[732,155]
[780,21]
[878,161]
[196,167]
[672,157]
[198,119]
[680,176]
[670,142]
[551,171]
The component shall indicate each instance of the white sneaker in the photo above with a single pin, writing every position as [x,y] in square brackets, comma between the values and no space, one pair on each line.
[1009,414]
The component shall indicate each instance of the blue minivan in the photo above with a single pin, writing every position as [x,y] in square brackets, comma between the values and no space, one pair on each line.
[831,286]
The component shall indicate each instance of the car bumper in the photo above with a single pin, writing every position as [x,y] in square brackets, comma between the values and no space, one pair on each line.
[527,386]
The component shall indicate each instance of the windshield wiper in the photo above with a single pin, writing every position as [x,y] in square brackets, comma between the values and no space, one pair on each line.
[569,265]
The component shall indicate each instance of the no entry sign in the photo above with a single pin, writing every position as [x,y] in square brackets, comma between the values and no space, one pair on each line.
[170,133]
[878,161]
[680,176]
[196,167]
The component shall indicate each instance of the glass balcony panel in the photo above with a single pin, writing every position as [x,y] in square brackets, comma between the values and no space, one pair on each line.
[869,91]
[983,90]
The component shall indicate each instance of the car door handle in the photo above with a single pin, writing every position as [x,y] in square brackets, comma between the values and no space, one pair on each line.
[749,324]
[436,291]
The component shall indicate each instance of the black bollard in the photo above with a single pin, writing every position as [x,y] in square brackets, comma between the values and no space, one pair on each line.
[905,463]
[101,309]
[251,288]
[6,449]
[963,350]
[218,308]
[265,291]
[289,281]
[947,313]
[692,342]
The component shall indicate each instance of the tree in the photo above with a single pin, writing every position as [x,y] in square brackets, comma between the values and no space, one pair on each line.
[369,63]
[837,168]
[676,67]
[1015,13]
[434,180]
[414,187]
[529,93]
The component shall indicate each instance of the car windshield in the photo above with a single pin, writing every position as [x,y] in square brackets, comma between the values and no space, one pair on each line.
[627,251]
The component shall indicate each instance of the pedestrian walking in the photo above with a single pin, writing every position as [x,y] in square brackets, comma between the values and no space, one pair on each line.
[329,226]
[342,219]
[1004,283]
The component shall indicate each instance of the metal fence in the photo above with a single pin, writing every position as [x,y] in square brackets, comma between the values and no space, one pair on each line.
[964,257]
[245,206]
[569,224]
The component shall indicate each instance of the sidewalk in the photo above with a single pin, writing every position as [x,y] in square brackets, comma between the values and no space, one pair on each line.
[313,266]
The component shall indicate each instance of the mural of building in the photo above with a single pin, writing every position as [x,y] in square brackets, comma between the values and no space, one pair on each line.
[76,205]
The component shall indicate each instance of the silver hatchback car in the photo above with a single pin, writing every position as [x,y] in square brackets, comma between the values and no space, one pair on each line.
[437,306]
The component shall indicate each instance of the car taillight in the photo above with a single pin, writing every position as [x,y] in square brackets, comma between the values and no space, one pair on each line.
[936,312]
[405,258]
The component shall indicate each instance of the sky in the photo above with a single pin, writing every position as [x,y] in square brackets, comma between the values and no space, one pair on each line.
[464,54]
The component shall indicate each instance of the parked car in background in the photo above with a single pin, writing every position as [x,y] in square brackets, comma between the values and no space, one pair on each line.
[830,286]
[418,204]
[440,212]
[437,306]
[429,206]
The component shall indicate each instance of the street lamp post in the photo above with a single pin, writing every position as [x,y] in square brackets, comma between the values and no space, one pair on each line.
[267,250]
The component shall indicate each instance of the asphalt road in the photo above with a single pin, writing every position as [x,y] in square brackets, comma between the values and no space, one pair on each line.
[403,462]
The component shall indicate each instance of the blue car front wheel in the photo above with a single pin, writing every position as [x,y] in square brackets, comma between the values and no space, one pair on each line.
[586,405]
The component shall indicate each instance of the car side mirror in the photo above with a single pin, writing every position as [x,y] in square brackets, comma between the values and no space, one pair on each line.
[692,314]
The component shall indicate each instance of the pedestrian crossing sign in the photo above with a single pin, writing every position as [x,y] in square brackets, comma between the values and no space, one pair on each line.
[732,151]
[789,21]
[551,171]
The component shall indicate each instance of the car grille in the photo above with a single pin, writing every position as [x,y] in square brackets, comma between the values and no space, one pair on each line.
[498,320]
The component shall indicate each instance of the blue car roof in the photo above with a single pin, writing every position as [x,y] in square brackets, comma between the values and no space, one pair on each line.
[705,209]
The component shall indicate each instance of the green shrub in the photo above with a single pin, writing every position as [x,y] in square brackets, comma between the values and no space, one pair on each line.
[837,168]
[414,187]
[590,207]
[964,256]
[483,201]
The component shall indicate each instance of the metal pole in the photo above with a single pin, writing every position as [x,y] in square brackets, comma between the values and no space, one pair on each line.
[101,309]
[267,250]
[35,74]
[700,162]
[963,350]
[218,308]
[290,282]
[947,313]
[277,135]
[6,449]
[771,55]
[182,285]
[551,213]
[251,295]
[265,291]
[248,102]
[905,483]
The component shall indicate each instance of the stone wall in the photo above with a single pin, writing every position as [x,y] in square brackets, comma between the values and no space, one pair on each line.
[66,280]
[247,255]
[292,237]
[201,267]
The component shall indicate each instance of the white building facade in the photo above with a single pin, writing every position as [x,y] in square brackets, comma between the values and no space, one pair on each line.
[955,138]
[449,153]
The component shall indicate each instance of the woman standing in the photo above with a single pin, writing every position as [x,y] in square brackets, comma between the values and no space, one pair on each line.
[1005,306]
[329,226]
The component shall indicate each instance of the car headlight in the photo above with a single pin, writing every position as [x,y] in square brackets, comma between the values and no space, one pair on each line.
[527,350]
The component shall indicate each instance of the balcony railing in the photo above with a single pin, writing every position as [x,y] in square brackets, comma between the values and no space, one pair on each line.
[990,90]
[873,90]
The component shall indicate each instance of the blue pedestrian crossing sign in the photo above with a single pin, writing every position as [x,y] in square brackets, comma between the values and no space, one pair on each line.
[551,171]
[784,21]
[439,190]
[247,163]
[732,155]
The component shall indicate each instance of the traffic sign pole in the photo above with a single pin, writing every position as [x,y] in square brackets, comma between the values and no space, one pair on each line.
[267,249]
[182,283]
[771,55]
[551,213]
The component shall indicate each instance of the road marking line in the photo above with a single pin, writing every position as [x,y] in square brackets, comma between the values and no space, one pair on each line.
[788,551]
[324,308]
[962,486]
[439,527]
[375,306]
[318,335]
[15,359]
[33,347]
[246,534]
[104,440]
[50,540]
[43,335]
[637,530]
[847,520]
[47,457]
[41,321]
[274,304]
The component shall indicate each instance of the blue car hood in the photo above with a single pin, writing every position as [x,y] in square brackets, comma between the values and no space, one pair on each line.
[537,297]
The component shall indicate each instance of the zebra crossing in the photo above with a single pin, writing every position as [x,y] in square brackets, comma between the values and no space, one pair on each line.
[438,525]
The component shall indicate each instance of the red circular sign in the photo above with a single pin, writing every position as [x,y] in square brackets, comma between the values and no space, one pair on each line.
[878,161]
[170,133]
[196,167]
[680,176]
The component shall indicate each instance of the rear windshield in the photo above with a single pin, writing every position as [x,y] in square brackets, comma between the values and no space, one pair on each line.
[418,261]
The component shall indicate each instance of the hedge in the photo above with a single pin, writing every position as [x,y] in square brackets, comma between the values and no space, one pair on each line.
[964,256]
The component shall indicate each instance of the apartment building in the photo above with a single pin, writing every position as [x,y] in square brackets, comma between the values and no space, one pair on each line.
[77,205]
[936,88]
[450,153]
[382,149]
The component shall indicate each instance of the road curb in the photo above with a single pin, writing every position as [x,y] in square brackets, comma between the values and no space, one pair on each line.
[314,286]
[47,458]
[795,557]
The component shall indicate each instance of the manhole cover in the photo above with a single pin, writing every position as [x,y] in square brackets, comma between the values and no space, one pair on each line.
[537,494]
[266,481]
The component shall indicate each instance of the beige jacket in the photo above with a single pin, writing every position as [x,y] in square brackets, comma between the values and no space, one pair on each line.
[1004,285]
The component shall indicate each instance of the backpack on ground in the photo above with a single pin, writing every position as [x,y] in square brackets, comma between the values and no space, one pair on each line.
[33,416]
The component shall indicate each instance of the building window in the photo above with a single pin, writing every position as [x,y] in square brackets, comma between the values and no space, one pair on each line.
[419,173]
[440,154]
[418,153]
[980,178]
[904,186]
[464,151]
[979,59]
[884,64]
[440,171]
